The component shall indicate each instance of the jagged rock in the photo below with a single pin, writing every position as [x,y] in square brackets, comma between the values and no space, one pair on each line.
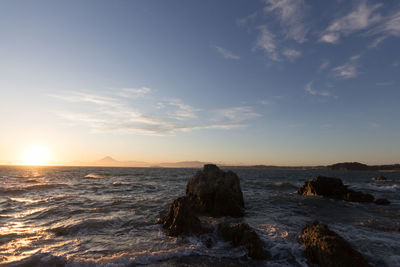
[242,235]
[216,192]
[323,186]
[382,201]
[181,219]
[328,249]
[332,188]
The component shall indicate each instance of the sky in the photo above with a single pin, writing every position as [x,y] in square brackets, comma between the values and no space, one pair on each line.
[275,82]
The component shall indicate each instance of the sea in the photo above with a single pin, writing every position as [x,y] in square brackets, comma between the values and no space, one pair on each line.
[92,216]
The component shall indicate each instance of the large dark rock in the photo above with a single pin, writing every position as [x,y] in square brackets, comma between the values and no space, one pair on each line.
[328,249]
[323,186]
[181,219]
[216,192]
[332,188]
[242,235]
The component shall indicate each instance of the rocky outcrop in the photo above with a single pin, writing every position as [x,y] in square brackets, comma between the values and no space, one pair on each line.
[215,192]
[181,219]
[332,188]
[328,249]
[242,235]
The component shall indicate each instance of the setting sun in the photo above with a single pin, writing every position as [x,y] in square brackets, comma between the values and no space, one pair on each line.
[36,155]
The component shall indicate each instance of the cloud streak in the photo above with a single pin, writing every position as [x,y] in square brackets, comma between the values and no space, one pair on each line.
[291,16]
[116,114]
[266,42]
[309,89]
[390,27]
[362,17]
[347,70]
[226,53]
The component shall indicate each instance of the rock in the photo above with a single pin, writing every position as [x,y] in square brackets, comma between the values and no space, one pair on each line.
[332,188]
[242,235]
[216,192]
[181,219]
[355,196]
[328,249]
[382,201]
[380,178]
[323,186]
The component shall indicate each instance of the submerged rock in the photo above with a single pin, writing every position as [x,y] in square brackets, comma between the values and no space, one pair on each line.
[242,235]
[332,188]
[216,192]
[380,178]
[328,249]
[356,196]
[181,219]
[382,201]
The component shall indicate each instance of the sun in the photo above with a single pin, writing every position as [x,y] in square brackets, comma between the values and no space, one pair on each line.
[36,155]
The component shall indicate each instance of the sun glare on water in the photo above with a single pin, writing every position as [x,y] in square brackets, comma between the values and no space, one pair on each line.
[36,155]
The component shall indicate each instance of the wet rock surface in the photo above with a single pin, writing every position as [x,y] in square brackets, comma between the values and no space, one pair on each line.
[332,188]
[181,219]
[216,192]
[328,249]
[241,234]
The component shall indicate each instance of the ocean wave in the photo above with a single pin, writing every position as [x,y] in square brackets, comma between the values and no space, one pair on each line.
[93,176]
[90,225]
[282,186]
[384,187]
[120,183]
[29,176]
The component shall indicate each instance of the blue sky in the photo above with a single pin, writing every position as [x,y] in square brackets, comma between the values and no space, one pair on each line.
[285,82]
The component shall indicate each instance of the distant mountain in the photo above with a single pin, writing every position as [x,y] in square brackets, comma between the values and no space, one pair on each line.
[111,162]
[107,160]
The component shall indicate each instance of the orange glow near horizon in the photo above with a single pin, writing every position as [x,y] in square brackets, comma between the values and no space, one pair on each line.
[36,155]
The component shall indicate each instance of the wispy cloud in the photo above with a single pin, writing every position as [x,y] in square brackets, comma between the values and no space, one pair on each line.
[291,16]
[226,53]
[348,69]
[309,89]
[264,102]
[361,18]
[183,111]
[246,20]
[389,27]
[266,42]
[291,54]
[324,65]
[236,115]
[135,92]
[117,114]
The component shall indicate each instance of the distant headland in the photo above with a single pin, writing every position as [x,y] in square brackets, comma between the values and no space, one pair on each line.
[349,166]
